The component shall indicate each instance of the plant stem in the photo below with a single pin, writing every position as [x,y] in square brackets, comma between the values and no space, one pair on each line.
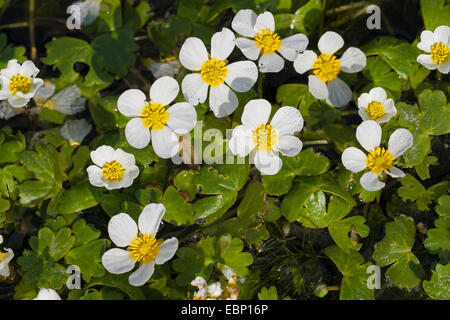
[260,85]
[33,51]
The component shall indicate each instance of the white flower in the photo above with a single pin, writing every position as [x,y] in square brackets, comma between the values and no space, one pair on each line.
[266,139]
[7,112]
[204,291]
[324,83]
[89,10]
[47,294]
[261,30]
[113,169]
[161,69]
[5,258]
[378,160]
[19,83]
[67,101]
[437,44]
[142,246]
[75,131]
[376,106]
[152,119]
[214,72]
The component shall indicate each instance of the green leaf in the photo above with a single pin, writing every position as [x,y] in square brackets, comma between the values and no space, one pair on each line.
[427,119]
[88,257]
[230,250]
[80,197]
[268,293]
[119,281]
[294,205]
[84,233]
[354,270]
[8,52]
[178,210]
[439,285]
[435,13]
[221,183]
[414,191]
[307,17]
[437,240]
[394,250]
[184,181]
[306,163]
[382,75]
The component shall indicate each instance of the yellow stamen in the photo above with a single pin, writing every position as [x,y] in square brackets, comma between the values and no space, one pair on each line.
[375,110]
[379,160]
[144,248]
[439,53]
[326,67]
[268,41]
[265,137]
[20,83]
[113,171]
[198,298]
[154,116]
[1,255]
[214,72]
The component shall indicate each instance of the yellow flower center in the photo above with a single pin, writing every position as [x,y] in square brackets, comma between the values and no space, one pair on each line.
[379,160]
[439,53]
[265,137]
[268,41]
[1,255]
[214,72]
[154,116]
[326,67]
[198,298]
[375,110]
[113,171]
[144,248]
[20,83]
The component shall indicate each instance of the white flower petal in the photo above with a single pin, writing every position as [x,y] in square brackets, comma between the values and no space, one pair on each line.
[378,94]
[444,68]
[68,101]
[425,60]
[353,60]
[442,34]
[267,163]
[142,275]
[222,100]
[400,141]
[137,135]
[270,63]
[164,90]
[102,155]
[287,120]
[126,159]
[293,45]
[363,100]
[243,23]
[182,117]
[195,90]
[368,135]
[396,173]
[17,102]
[317,87]
[248,48]
[122,229]
[12,69]
[117,261]
[330,42]
[256,112]
[167,250]
[28,69]
[305,61]
[242,75]
[47,294]
[165,143]
[354,159]
[264,21]
[426,41]
[193,54]
[369,181]
[339,93]
[289,145]
[95,175]
[131,102]
[222,44]
[241,142]
[150,218]
[215,289]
